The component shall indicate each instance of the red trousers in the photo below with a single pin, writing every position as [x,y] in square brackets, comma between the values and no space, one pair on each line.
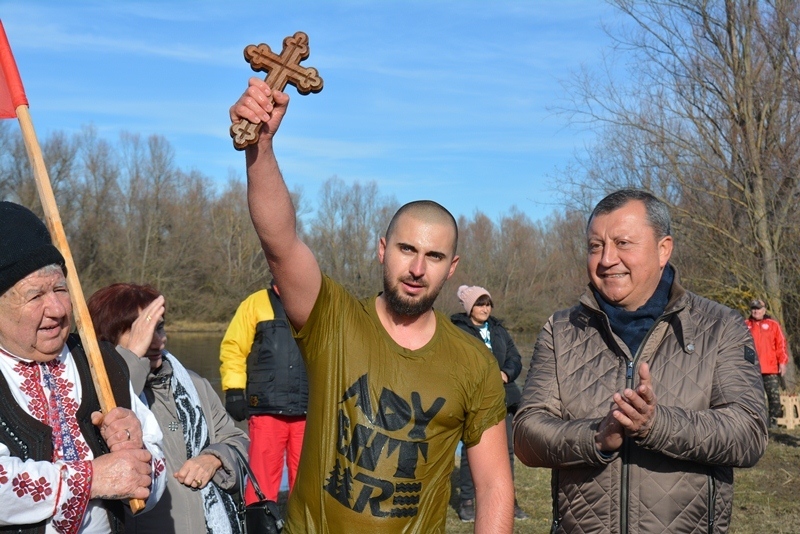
[273,438]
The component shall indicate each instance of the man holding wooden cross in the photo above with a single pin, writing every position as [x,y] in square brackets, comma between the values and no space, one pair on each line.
[64,467]
[393,385]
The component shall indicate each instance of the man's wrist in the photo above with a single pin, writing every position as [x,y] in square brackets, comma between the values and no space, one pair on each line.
[605,455]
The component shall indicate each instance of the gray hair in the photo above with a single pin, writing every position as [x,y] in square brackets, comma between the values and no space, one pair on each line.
[46,270]
[51,269]
[657,212]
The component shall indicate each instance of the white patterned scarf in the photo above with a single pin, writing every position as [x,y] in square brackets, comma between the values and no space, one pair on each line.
[220,507]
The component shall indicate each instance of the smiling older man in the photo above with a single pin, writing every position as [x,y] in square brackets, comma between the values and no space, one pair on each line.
[652,456]
[63,466]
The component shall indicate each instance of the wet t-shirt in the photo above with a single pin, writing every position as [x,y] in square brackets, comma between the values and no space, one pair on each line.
[383,421]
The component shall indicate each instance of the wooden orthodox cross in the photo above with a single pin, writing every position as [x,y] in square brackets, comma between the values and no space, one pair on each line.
[284,68]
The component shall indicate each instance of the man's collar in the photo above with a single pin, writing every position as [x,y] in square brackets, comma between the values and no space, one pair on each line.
[61,357]
[661,295]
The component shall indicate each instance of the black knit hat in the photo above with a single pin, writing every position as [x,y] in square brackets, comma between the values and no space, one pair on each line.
[25,245]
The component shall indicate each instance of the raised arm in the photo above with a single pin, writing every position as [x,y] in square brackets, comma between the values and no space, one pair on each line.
[292,264]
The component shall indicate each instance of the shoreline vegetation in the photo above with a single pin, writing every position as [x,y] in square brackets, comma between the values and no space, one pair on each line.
[195,327]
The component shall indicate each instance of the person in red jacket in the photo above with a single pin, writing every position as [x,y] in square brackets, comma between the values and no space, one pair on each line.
[771,350]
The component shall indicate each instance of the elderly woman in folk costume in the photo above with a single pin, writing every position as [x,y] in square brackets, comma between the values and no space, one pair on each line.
[64,466]
[199,435]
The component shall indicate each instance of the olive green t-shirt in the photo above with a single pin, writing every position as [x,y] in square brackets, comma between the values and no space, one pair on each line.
[383,421]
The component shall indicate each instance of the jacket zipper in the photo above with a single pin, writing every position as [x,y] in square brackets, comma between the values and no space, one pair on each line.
[624,490]
[626,443]
[554,490]
[712,498]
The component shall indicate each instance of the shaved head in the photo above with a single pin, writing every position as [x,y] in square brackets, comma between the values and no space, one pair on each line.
[429,212]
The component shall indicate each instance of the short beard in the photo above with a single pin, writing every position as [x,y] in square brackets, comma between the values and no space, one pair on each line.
[405,307]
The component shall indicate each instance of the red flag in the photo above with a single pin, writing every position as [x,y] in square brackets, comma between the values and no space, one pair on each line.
[12,94]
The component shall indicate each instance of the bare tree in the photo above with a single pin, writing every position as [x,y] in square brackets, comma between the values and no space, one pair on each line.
[233,240]
[344,235]
[132,215]
[89,204]
[531,269]
[709,123]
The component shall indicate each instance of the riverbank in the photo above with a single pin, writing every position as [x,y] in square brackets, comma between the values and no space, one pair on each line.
[195,327]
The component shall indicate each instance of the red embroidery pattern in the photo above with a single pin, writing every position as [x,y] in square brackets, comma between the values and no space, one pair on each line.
[38,489]
[63,388]
[40,408]
[31,386]
[70,514]
[3,473]
[159,466]
[41,490]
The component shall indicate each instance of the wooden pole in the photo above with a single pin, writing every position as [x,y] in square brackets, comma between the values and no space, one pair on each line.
[83,320]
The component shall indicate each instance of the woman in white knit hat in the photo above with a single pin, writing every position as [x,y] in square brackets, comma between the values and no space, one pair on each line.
[477,320]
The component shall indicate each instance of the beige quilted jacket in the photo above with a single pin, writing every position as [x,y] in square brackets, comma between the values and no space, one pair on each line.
[710,417]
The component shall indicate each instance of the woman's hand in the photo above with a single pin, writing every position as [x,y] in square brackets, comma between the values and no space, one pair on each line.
[140,336]
[198,471]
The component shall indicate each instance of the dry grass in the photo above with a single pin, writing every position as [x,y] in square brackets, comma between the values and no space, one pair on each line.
[765,496]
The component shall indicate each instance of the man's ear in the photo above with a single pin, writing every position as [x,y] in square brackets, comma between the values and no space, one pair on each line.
[453,265]
[381,249]
[664,250]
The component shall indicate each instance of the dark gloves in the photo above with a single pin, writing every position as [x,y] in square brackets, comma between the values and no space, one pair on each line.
[235,404]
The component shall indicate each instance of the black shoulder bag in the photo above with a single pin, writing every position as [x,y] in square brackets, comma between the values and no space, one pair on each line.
[262,517]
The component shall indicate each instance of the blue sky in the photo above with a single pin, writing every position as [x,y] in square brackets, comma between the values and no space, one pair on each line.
[447,100]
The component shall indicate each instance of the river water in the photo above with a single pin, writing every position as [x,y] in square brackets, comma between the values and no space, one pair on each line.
[200,353]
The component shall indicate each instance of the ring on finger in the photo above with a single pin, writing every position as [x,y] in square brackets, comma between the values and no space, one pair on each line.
[149,318]
[128,433]
[198,482]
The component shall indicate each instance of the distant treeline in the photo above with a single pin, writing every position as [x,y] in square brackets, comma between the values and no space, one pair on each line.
[131,215]
[706,116]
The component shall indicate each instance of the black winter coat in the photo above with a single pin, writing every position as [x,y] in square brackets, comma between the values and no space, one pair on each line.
[504,350]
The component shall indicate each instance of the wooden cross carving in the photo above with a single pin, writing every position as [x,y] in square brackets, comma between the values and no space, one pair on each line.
[284,68]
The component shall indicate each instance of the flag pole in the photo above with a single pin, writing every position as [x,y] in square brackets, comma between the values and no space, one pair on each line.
[83,320]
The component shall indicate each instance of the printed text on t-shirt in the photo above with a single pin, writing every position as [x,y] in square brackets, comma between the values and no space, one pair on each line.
[393,433]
